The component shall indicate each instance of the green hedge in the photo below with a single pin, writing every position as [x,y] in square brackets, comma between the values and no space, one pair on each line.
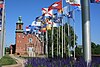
[7,60]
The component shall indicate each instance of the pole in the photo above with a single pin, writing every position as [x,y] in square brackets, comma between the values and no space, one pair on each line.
[64,41]
[2,32]
[47,43]
[74,41]
[74,33]
[69,34]
[68,41]
[43,39]
[62,38]
[62,32]
[86,31]
[57,42]
[52,42]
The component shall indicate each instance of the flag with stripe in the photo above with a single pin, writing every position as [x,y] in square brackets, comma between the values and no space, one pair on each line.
[27,28]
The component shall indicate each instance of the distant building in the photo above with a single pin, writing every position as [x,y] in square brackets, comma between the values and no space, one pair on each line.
[26,43]
[12,49]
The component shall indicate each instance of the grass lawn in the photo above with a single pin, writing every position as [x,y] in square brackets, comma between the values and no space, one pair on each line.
[7,60]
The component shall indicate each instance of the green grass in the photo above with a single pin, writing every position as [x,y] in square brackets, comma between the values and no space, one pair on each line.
[7,60]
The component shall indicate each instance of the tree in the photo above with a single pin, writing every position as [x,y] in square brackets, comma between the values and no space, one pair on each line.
[66,38]
[95,48]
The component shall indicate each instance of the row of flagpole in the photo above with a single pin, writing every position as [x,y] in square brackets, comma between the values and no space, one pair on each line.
[58,39]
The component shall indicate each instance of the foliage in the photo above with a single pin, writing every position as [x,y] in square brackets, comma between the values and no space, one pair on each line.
[7,50]
[95,48]
[78,51]
[7,60]
[56,30]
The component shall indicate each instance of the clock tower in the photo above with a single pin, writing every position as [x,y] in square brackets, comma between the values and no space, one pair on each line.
[19,33]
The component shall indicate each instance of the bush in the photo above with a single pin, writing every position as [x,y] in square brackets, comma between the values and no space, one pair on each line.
[7,60]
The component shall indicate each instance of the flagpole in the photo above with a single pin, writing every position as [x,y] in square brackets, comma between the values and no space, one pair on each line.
[69,34]
[62,31]
[57,42]
[86,39]
[64,41]
[52,42]
[2,31]
[43,38]
[47,43]
[74,33]
[74,40]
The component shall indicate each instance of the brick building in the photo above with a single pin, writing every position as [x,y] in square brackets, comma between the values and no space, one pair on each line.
[27,42]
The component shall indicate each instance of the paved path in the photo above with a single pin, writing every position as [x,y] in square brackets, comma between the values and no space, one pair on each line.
[20,61]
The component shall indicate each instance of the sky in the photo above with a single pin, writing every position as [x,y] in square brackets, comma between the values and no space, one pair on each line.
[30,9]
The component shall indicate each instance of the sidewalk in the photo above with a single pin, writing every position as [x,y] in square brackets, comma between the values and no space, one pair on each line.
[20,61]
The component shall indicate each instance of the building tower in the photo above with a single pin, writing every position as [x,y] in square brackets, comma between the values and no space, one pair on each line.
[19,32]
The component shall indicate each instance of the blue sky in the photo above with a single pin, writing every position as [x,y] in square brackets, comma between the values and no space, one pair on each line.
[30,9]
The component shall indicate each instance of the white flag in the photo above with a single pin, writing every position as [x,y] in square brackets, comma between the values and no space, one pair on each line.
[74,2]
[34,23]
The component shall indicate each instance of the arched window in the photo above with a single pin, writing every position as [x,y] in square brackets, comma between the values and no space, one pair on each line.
[19,26]
[30,40]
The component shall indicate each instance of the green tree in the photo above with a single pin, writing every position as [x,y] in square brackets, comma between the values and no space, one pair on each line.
[66,38]
[95,48]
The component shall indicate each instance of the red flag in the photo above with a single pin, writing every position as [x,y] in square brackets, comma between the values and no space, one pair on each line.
[97,1]
[1,5]
[56,5]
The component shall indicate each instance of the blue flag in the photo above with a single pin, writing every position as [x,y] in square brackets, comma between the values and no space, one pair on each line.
[70,14]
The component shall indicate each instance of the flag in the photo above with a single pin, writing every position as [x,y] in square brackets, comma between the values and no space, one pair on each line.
[70,14]
[58,20]
[48,21]
[1,5]
[1,11]
[44,26]
[92,1]
[56,5]
[56,24]
[43,29]
[48,27]
[27,28]
[73,2]
[39,18]
[45,12]
[95,1]
[36,23]
[38,31]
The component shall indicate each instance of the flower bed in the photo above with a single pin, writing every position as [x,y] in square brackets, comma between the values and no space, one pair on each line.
[61,62]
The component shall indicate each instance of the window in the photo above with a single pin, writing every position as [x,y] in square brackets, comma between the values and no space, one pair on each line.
[19,35]
[30,40]
[19,26]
